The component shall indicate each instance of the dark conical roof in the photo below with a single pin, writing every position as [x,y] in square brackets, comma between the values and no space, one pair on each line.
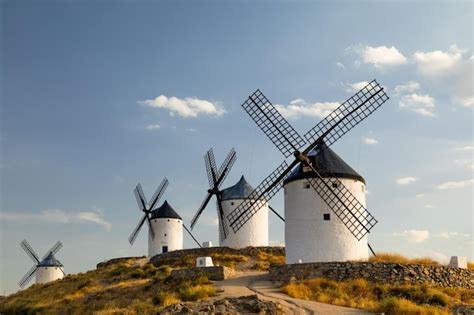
[327,163]
[165,211]
[240,190]
[50,261]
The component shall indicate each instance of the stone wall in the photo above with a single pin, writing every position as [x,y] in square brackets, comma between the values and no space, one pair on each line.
[377,273]
[208,251]
[213,273]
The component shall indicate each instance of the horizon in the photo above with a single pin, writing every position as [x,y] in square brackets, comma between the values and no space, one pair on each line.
[98,97]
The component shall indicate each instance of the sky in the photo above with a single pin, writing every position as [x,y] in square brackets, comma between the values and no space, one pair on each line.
[99,96]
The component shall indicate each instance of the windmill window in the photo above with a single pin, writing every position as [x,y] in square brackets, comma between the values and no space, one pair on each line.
[232,203]
[327,216]
[168,220]
[165,234]
[306,185]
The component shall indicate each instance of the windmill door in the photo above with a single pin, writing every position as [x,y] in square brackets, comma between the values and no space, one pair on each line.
[164,249]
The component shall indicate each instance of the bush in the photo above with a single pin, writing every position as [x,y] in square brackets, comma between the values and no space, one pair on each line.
[399,259]
[396,306]
[197,292]
[164,299]
[117,270]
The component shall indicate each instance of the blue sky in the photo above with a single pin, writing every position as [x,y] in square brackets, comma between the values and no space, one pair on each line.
[82,120]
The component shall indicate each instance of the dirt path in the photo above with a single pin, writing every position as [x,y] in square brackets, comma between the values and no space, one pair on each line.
[247,283]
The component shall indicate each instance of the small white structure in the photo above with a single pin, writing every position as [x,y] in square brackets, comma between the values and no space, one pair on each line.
[255,231]
[458,262]
[168,228]
[313,233]
[49,269]
[207,244]
[204,262]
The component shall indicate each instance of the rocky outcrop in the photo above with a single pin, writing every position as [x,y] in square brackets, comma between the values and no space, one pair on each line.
[241,305]
[378,273]
[215,273]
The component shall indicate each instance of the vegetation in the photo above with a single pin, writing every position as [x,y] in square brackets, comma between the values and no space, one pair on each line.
[399,259]
[265,260]
[385,298]
[120,288]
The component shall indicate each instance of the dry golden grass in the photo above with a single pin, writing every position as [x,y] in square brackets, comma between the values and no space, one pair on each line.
[121,288]
[386,298]
[470,265]
[399,259]
[265,260]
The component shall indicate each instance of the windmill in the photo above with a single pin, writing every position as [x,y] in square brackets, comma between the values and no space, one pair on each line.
[165,226]
[46,269]
[256,231]
[351,214]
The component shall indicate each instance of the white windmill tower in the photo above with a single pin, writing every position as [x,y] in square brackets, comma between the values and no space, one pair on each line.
[336,188]
[255,231]
[165,226]
[309,218]
[47,269]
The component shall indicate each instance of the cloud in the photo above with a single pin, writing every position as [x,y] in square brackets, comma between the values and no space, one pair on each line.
[418,103]
[406,180]
[58,216]
[382,56]
[300,108]
[420,195]
[370,141]
[340,65]
[409,87]
[455,184]
[414,236]
[354,87]
[451,235]
[465,148]
[189,107]
[153,127]
[429,206]
[437,63]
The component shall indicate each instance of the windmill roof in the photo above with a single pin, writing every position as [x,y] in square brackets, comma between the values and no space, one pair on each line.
[327,163]
[50,261]
[165,211]
[240,190]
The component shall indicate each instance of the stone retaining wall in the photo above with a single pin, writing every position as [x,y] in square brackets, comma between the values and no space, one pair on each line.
[208,251]
[213,273]
[377,272]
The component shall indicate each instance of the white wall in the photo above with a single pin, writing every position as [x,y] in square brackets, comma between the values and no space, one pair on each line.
[48,274]
[253,233]
[308,237]
[168,232]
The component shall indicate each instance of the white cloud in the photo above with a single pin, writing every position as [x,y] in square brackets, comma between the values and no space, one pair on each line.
[465,148]
[418,103]
[437,63]
[370,141]
[406,180]
[414,236]
[409,87]
[451,235]
[340,65]
[382,56]
[188,107]
[420,195]
[429,206]
[300,108]
[455,184]
[354,87]
[58,216]
[153,127]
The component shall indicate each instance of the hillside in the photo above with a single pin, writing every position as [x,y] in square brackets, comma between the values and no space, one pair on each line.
[134,285]
[130,286]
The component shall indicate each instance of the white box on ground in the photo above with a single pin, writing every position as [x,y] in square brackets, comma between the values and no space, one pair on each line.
[204,262]
[458,262]
[206,244]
